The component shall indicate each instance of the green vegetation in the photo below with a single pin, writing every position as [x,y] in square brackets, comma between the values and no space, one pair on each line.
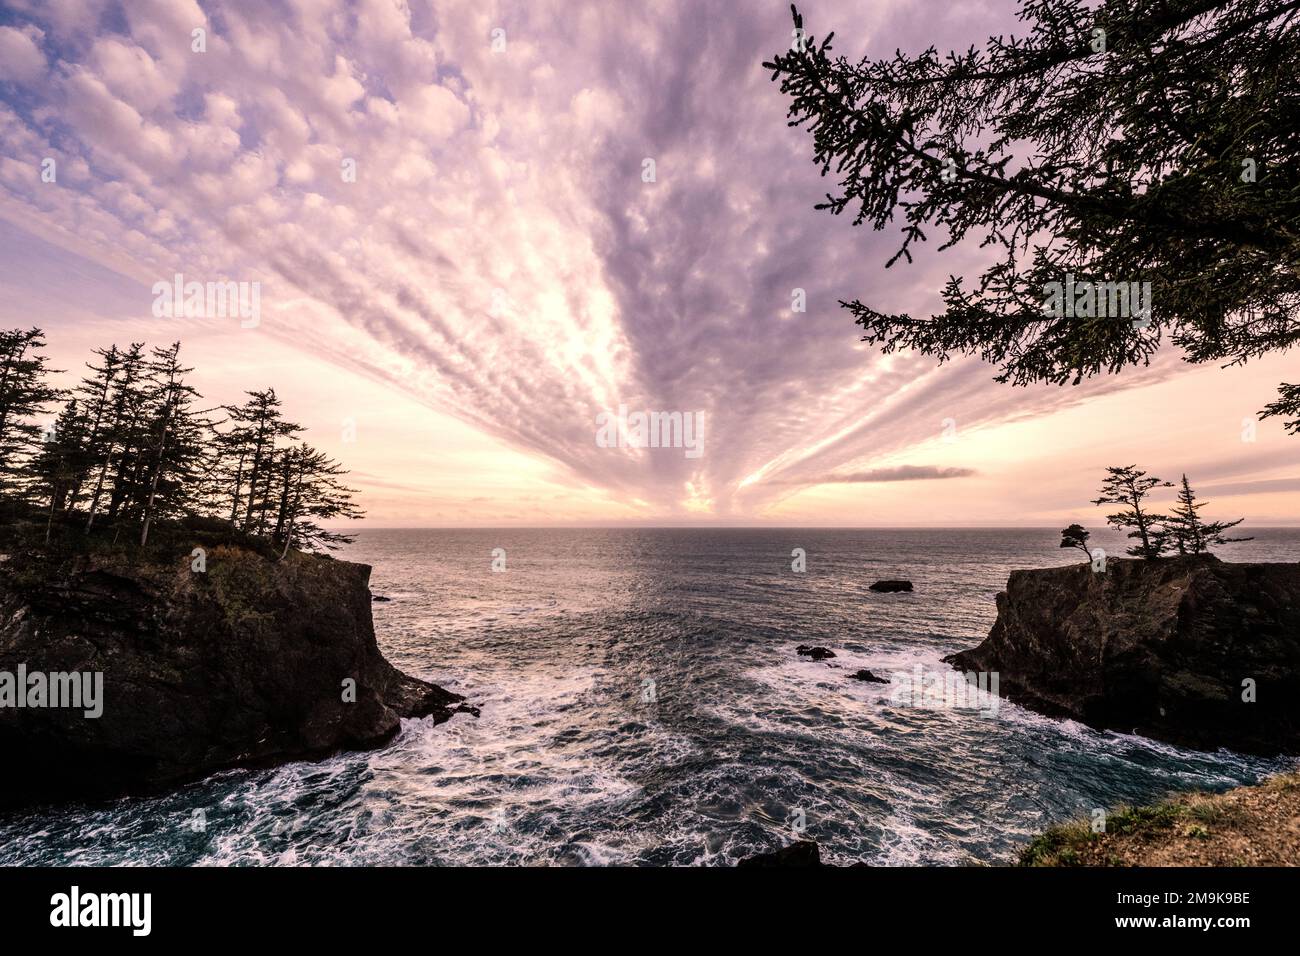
[1245,826]
[1068,845]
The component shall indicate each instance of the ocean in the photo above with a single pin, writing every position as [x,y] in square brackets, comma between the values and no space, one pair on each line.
[642,704]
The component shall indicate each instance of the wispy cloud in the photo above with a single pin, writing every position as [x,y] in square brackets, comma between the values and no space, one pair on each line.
[900,473]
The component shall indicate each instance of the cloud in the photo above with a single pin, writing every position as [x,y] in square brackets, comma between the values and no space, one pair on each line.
[499,255]
[1265,486]
[21,60]
[900,473]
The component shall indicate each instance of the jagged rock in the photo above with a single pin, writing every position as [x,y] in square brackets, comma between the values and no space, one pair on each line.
[803,853]
[890,587]
[1164,648]
[379,599]
[816,653]
[866,675]
[244,663]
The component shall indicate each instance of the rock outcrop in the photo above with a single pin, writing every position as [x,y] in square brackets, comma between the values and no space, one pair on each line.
[816,653]
[1190,650]
[870,678]
[891,587]
[802,853]
[250,661]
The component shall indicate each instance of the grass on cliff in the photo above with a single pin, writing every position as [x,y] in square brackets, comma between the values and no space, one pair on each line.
[24,527]
[28,558]
[1247,826]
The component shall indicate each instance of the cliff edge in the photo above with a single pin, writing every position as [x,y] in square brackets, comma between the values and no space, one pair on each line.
[1247,826]
[247,661]
[1190,650]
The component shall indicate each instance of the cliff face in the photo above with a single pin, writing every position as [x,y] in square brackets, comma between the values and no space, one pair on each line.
[1157,647]
[245,662]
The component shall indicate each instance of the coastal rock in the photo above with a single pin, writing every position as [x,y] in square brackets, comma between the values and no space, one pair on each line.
[866,675]
[249,662]
[803,853]
[379,599]
[1169,649]
[891,587]
[816,653]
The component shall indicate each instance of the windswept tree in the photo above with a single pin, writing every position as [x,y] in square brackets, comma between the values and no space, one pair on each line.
[1076,537]
[94,394]
[130,450]
[24,394]
[311,491]
[58,465]
[121,429]
[175,440]
[256,427]
[1130,487]
[1120,141]
[1187,533]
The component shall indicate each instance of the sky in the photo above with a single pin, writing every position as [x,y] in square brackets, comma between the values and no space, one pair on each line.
[463,262]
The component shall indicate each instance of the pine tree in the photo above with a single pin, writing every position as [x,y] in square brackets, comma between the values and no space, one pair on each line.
[258,425]
[24,394]
[231,441]
[119,429]
[1076,537]
[1111,141]
[311,491]
[56,466]
[94,393]
[1188,533]
[175,443]
[1130,487]
[131,444]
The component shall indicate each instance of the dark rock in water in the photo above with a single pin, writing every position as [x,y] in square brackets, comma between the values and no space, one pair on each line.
[866,675]
[1165,648]
[890,587]
[379,598]
[804,853]
[246,663]
[816,653]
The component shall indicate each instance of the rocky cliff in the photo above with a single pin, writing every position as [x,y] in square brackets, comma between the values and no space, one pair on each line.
[249,660]
[1172,649]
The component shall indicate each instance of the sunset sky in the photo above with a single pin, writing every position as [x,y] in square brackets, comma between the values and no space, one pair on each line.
[451,323]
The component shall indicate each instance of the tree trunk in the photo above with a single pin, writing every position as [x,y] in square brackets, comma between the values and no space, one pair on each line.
[157,473]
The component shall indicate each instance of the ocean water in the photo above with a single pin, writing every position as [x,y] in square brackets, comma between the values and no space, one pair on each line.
[642,704]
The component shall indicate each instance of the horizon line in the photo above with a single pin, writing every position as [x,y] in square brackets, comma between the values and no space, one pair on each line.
[737,527]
